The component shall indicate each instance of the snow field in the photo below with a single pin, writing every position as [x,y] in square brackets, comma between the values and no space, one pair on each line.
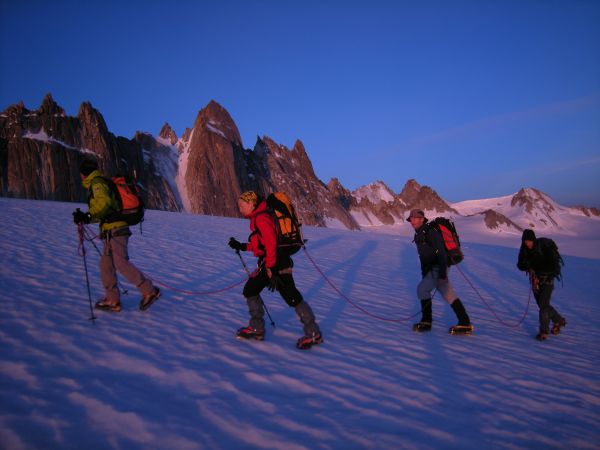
[174,376]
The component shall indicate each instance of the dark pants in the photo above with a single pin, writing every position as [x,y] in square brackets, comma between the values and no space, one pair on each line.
[542,297]
[288,292]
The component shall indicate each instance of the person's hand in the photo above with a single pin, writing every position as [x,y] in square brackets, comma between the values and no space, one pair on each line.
[80,217]
[275,281]
[236,245]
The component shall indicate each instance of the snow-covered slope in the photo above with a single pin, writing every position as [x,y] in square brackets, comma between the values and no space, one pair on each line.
[374,192]
[530,208]
[174,377]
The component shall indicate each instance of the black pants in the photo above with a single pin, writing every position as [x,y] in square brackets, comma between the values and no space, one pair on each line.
[542,297]
[288,292]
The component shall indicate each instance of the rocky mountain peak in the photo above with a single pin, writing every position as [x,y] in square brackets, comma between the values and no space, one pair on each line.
[536,204]
[216,120]
[531,199]
[414,195]
[340,193]
[495,220]
[50,108]
[167,133]
[410,192]
[375,192]
[91,118]
[299,149]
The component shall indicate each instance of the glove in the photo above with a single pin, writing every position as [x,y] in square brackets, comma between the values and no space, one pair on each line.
[275,282]
[80,217]
[236,245]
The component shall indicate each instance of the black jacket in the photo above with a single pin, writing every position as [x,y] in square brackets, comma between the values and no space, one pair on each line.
[431,250]
[539,259]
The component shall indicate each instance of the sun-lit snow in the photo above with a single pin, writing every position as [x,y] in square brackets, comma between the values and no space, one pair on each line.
[174,377]
[41,135]
[182,170]
[374,192]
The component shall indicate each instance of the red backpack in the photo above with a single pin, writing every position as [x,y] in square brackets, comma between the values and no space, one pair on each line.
[127,196]
[132,206]
[450,237]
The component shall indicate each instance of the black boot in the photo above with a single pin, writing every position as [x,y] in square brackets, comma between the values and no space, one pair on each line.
[461,313]
[464,323]
[426,317]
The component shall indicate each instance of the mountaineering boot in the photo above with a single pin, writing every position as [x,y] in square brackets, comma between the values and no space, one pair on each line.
[148,299]
[461,313]
[558,325]
[306,342]
[104,305]
[461,329]
[250,333]
[542,336]
[422,326]
[464,323]
[426,317]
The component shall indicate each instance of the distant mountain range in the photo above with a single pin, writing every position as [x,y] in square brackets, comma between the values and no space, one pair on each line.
[205,170]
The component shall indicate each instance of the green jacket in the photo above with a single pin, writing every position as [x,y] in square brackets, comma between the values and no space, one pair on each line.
[101,201]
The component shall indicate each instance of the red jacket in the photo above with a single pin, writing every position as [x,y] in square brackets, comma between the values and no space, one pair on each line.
[263,237]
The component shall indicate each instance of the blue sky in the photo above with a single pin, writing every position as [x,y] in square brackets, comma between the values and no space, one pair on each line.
[475,99]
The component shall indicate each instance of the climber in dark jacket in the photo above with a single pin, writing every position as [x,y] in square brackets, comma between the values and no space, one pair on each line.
[537,257]
[434,270]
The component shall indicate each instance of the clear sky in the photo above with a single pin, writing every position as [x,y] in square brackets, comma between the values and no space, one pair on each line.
[473,98]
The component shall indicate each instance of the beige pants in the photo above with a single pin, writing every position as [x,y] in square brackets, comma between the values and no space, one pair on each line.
[115,258]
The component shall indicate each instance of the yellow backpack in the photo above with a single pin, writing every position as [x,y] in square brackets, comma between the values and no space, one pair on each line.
[287,225]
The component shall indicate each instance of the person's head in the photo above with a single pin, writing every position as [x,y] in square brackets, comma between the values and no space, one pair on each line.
[528,238]
[87,167]
[247,202]
[416,218]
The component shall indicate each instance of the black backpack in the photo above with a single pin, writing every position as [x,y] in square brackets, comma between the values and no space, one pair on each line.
[549,250]
[450,237]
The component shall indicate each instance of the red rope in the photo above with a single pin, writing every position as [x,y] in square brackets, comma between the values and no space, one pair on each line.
[490,308]
[218,291]
[341,294]
[90,236]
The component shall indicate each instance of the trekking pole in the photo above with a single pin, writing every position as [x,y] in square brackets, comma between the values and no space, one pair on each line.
[261,300]
[87,278]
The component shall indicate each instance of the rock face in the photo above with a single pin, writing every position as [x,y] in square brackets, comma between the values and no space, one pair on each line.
[214,169]
[273,167]
[493,220]
[40,153]
[205,170]
[377,204]
[416,196]
[589,212]
[535,203]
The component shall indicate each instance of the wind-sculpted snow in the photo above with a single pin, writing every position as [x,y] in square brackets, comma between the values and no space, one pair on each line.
[174,377]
